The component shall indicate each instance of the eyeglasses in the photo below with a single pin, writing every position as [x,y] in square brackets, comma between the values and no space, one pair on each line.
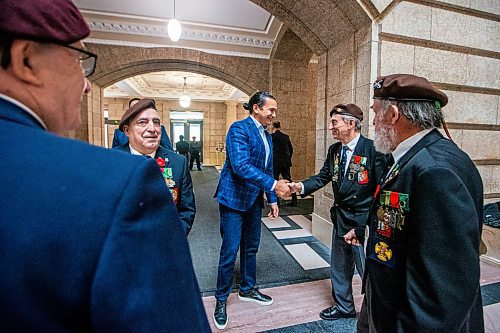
[88,60]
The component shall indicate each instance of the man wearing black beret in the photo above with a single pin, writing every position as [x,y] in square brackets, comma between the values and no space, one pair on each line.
[141,125]
[353,167]
[90,240]
[422,253]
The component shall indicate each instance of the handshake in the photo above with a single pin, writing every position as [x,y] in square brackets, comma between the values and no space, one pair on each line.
[284,188]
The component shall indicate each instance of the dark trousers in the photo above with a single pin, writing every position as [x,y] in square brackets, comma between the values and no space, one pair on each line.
[285,174]
[239,230]
[343,259]
[195,155]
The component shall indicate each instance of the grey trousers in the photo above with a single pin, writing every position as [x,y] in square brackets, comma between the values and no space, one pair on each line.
[343,259]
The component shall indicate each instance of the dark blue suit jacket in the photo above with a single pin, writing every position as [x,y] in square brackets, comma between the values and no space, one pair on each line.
[89,239]
[180,174]
[244,174]
[120,139]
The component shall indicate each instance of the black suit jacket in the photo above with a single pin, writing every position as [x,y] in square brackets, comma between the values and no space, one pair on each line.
[182,147]
[186,206]
[282,149]
[424,276]
[352,199]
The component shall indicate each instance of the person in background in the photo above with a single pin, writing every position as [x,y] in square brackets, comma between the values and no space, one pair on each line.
[422,253]
[182,147]
[119,138]
[247,173]
[141,124]
[89,238]
[194,151]
[353,167]
[282,157]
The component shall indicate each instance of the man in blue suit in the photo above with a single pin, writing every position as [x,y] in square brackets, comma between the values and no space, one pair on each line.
[246,175]
[120,138]
[89,238]
[141,124]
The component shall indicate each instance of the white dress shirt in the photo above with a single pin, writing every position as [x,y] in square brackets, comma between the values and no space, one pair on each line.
[135,152]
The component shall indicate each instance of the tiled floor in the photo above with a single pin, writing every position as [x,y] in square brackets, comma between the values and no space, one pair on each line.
[296,307]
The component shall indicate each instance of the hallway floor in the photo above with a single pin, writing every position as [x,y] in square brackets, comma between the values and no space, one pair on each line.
[293,268]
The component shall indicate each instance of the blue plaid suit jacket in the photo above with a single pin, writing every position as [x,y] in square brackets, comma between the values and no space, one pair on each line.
[244,174]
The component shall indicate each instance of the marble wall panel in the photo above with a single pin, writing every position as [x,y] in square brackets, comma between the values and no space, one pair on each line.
[471,108]
[396,58]
[441,66]
[481,144]
[483,72]
[468,31]
[409,19]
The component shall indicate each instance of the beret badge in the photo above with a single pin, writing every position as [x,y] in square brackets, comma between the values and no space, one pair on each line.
[378,84]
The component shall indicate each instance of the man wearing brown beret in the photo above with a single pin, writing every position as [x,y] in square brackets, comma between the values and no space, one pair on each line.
[422,253]
[353,167]
[141,125]
[89,238]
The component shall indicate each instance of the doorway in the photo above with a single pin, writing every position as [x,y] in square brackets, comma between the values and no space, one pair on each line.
[189,124]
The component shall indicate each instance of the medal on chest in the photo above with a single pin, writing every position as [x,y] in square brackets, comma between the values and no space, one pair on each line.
[390,215]
[335,177]
[167,176]
[357,168]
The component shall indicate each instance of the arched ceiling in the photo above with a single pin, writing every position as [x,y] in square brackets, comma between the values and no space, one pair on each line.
[170,85]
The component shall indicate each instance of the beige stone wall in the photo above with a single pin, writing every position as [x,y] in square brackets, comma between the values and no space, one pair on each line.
[343,77]
[455,45]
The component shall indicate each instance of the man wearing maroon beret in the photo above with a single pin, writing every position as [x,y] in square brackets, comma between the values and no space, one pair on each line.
[353,167]
[90,240]
[141,124]
[422,253]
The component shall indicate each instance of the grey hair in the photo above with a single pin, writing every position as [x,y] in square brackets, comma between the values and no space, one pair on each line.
[357,122]
[421,113]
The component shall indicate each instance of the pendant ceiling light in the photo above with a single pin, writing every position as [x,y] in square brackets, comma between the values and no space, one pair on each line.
[174,28]
[184,100]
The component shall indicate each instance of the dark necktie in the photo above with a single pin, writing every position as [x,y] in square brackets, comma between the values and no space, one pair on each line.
[388,166]
[343,161]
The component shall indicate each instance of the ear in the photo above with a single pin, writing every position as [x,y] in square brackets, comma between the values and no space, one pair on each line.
[125,130]
[394,114]
[23,65]
[255,108]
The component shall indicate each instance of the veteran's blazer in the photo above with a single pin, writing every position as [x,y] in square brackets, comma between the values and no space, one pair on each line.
[185,202]
[423,248]
[354,194]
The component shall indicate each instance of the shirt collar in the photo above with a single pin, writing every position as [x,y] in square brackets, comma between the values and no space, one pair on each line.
[25,108]
[352,144]
[259,125]
[135,152]
[406,145]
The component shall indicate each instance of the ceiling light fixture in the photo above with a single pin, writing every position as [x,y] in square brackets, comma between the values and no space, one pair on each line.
[184,100]
[174,28]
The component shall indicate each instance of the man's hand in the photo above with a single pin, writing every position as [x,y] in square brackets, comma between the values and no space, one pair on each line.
[273,213]
[282,190]
[295,187]
[350,238]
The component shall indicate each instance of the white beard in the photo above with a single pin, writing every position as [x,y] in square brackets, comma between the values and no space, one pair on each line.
[385,139]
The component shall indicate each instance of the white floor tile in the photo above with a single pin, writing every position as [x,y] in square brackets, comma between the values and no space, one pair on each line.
[291,233]
[276,223]
[306,256]
[491,318]
[303,221]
